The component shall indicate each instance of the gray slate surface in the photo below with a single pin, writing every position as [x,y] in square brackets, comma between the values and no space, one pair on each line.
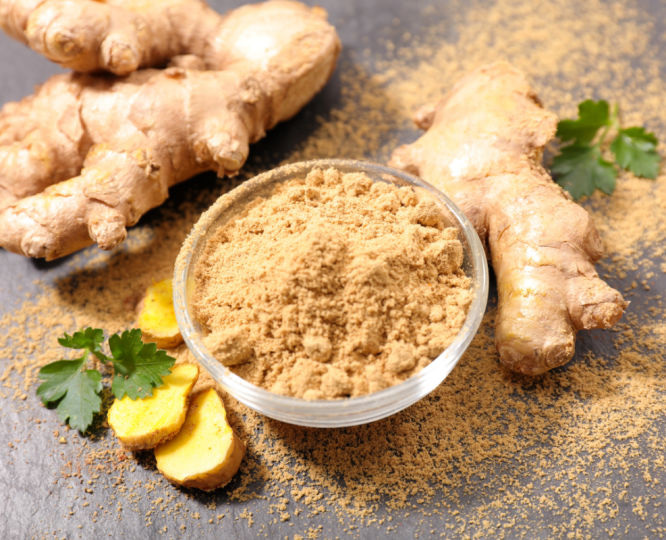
[33,501]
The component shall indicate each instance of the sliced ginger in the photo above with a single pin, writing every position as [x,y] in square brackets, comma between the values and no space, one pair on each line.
[206,453]
[157,318]
[145,423]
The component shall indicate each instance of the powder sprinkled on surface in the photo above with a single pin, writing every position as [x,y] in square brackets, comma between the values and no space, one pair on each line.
[333,286]
[576,453]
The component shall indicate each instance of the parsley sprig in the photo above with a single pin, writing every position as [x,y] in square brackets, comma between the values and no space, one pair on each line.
[138,368]
[580,168]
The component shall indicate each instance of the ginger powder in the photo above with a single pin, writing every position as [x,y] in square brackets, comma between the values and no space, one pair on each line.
[334,286]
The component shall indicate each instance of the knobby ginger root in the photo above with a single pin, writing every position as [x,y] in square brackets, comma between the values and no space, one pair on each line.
[118,36]
[206,453]
[144,423]
[86,156]
[483,148]
[157,318]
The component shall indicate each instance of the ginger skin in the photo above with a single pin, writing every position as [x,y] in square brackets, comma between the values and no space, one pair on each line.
[119,36]
[88,155]
[483,148]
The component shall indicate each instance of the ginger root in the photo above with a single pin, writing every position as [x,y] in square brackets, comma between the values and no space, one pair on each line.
[206,453]
[119,36]
[483,148]
[87,155]
[157,318]
[144,423]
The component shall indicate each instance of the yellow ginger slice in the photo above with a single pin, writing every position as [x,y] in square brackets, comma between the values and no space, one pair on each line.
[157,318]
[145,423]
[206,453]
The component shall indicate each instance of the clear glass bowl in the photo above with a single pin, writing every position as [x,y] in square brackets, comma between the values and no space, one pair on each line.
[340,412]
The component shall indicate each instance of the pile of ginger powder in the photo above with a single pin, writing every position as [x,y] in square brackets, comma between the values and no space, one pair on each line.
[333,286]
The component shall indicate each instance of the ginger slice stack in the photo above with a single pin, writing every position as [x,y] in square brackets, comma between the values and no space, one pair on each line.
[195,446]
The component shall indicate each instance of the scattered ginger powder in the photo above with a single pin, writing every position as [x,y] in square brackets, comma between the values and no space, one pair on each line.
[334,286]
[575,453]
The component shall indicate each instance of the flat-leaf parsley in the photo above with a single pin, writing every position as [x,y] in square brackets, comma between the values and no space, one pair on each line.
[580,167]
[138,368]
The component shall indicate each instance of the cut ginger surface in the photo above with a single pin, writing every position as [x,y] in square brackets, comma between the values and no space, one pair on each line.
[206,453]
[157,318]
[144,423]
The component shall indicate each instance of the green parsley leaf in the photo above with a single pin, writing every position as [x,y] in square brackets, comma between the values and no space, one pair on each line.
[76,387]
[139,367]
[90,339]
[581,170]
[636,150]
[82,400]
[592,115]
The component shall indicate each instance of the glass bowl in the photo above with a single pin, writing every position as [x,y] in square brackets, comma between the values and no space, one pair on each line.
[346,411]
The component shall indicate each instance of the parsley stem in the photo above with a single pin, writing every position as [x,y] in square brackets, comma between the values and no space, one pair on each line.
[84,364]
[613,122]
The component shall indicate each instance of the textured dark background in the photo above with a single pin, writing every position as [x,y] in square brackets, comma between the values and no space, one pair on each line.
[34,501]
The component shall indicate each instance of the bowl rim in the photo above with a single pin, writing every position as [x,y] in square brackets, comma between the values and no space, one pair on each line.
[328,413]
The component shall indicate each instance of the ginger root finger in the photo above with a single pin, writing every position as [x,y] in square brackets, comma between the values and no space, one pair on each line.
[157,318]
[144,423]
[219,113]
[206,453]
[138,152]
[483,148]
[112,193]
[119,36]
[41,140]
